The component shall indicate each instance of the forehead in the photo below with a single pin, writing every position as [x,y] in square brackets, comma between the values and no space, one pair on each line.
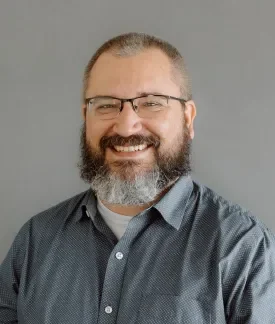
[148,71]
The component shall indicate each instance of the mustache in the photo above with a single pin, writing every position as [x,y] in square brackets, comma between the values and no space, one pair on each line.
[133,140]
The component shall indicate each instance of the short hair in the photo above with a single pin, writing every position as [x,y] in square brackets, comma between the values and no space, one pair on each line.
[133,43]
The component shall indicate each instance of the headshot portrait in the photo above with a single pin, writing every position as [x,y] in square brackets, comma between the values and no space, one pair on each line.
[140,198]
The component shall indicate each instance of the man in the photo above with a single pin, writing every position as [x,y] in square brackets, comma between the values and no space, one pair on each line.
[145,243]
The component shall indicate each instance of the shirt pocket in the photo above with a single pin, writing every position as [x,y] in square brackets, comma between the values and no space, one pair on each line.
[172,309]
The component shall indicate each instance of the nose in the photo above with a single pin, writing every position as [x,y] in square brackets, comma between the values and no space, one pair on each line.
[128,122]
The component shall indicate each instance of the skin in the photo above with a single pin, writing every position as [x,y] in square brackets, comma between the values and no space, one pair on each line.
[127,77]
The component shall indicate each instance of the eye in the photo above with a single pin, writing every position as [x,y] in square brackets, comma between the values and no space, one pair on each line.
[107,106]
[151,103]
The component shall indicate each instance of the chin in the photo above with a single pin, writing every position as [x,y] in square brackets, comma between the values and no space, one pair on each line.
[129,172]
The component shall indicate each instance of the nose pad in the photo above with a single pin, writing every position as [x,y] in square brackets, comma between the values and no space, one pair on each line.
[135,107]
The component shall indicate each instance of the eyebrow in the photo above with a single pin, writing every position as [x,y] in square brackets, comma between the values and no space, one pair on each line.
[139,94]
[149,92]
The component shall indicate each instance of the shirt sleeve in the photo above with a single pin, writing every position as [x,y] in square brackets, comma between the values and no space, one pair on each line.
[253,300]
[10,272]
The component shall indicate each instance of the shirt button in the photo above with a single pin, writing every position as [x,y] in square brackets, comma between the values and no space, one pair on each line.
[119,255]
[108,309]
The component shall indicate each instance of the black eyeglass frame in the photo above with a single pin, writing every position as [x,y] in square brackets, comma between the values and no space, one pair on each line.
[122,101]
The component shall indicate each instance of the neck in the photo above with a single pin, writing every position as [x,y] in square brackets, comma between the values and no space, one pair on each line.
[133,210]
[127,210]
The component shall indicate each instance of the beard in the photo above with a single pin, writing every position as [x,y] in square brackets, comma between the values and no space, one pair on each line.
[133,182]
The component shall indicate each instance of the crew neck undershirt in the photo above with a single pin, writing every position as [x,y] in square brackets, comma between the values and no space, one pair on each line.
[117,222]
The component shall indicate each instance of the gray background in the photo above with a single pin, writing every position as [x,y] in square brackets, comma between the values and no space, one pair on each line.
[45,44]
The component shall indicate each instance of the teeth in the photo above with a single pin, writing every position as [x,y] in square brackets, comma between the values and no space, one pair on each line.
[130,148]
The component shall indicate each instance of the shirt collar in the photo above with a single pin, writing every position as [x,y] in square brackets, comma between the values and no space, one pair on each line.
[88,203]
[171,206]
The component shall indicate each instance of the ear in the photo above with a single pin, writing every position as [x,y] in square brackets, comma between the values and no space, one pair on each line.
[190,112]
[83,111]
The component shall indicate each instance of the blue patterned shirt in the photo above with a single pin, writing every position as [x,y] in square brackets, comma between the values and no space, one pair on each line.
[192,258]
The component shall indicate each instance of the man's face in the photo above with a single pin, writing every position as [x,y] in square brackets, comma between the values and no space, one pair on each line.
[167,136]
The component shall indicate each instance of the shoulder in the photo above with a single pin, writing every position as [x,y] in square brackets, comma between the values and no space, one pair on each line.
[51,219]
[231,224]
[62,210]
[224,210]
[41,228]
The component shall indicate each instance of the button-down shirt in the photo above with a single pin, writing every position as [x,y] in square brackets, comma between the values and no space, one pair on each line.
[192,258]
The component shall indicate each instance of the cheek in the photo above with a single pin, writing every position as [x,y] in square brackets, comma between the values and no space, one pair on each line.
[91,133]
[167,129]
[158,126]
[94,132]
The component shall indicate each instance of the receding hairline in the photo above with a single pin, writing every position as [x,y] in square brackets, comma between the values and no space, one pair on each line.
[132,44]
[175,76]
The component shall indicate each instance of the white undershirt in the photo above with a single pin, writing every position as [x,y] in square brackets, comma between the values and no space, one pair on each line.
[117,223]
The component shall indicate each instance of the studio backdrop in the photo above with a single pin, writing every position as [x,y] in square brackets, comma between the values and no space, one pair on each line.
[229,49]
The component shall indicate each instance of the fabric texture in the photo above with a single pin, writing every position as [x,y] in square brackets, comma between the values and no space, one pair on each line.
[192,258]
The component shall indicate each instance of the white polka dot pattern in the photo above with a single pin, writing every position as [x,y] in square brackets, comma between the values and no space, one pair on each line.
[192,258]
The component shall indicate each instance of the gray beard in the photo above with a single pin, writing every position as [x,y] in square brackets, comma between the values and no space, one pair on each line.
[130,183]
[138,190]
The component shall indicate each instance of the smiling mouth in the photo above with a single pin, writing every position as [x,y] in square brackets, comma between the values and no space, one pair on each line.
[130,148]
[129,151]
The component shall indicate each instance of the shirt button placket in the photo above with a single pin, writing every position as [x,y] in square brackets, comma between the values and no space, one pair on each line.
[111,290]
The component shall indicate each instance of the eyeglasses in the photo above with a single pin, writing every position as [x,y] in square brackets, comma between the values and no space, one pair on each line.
[149,106]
